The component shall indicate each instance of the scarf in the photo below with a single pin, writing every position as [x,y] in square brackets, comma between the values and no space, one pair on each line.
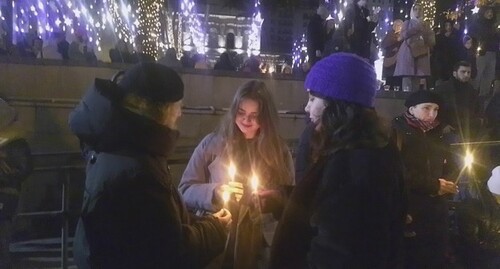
[419,124]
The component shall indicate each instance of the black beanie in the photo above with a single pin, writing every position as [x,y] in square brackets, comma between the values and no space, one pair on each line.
[153,82]
[423,96]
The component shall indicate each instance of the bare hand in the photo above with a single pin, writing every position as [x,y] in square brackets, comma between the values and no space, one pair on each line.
[448,129]
[232,187]
[223,216]
[446,186]
[409,219]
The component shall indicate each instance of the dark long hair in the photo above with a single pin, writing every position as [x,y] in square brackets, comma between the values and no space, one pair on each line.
[346,125]
[270,151]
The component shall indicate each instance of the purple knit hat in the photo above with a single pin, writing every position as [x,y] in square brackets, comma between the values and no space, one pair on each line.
[343,76]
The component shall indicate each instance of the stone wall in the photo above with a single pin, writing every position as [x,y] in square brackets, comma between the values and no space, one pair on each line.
[45,92]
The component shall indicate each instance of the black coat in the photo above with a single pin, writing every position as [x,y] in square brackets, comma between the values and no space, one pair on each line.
[478,224]
[348,212]
[16,165]
[461,106]
[132,215]
[316,35]
[303,156]
[446,54]
[361,38]
[424,157]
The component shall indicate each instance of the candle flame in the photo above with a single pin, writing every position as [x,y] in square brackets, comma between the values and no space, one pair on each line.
[232,171]
[225,196]
[255,183]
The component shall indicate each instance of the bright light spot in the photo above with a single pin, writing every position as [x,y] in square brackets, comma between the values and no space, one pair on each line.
[468,160]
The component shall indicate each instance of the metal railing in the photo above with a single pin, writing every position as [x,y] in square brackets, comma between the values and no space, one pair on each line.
[66,103]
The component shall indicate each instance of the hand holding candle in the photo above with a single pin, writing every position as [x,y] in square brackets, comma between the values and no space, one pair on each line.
[254,181]
[232,186]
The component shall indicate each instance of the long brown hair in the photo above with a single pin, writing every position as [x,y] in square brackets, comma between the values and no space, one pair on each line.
[269,152]
[346,125]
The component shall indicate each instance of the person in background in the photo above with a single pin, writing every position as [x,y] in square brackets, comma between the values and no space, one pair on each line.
[200,61]
[340,41]
[484,30]
[478,222]
[330,32]
[51,51]
[467,53]
[132,214]
[460,111]
[224,63]
[186,60]
[80,49]
[120,53]
[446,50]
[248,138]
[140,55]
[418,135]
[492,114]
[349,210]
[170,59]
[359,19]
[414,70]
[390,46]
[252,65]
[63,46]
[286,69]
[316,34]
[15,166]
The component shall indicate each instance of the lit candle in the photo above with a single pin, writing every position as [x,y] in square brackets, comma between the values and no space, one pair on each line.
[232,171]
[254,181]
[225,197]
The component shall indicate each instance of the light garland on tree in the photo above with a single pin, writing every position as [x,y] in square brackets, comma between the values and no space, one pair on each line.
[194,27]
[148,15]
[429,7]
[41,18]
[299,49]
[255,30]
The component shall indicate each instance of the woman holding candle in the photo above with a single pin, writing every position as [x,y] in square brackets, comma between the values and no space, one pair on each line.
[349,210]
[247,139]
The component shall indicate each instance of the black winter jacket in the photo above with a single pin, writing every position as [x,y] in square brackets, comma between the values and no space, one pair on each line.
[132,214]
[348,212]
[479,227]
[426,159]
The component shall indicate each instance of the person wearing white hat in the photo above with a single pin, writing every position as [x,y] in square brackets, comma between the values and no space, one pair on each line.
[478,222]
[15,166]
[494,183]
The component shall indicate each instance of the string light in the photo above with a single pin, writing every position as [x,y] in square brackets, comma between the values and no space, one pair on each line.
[148,21]
[429,7]
[195,33]
[40,18]
[255,31]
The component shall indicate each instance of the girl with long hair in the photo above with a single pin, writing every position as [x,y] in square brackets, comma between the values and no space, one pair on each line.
[248,140]
[348,211]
